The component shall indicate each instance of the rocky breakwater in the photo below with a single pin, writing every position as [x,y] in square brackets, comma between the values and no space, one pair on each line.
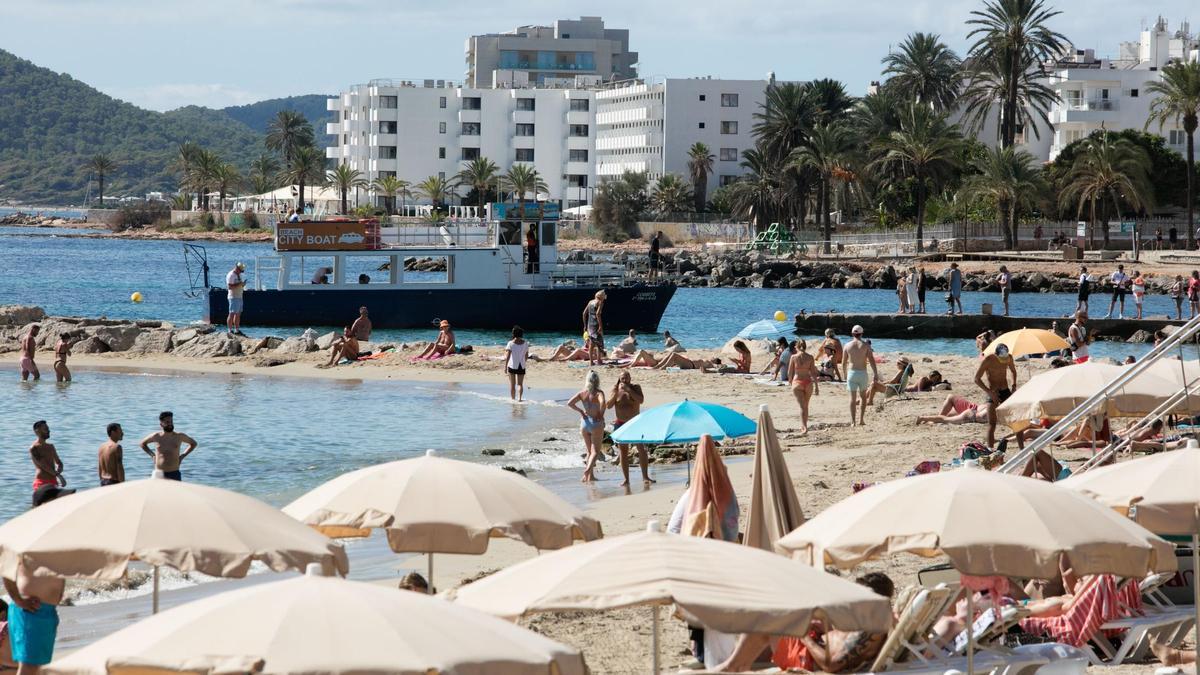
[19,219]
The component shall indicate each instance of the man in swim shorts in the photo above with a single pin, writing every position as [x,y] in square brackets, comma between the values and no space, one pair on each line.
[626,401]
[856,358]
[167,456]
[992,378]
[28,350]
[48,480]
[235,284]
[110,460]
[33,619]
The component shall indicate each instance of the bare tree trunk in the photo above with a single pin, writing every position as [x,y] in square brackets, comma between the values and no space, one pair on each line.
[920,216]
[1191,191]
[828,229]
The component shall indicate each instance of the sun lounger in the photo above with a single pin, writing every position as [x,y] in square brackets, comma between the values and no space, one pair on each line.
[909,638]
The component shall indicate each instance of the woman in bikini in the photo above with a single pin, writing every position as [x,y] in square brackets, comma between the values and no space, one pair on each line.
[590,404]
[956,410]
[676,360]
[803,378]
[742,360]
[62,349]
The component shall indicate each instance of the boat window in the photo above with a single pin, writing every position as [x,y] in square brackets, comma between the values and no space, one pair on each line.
[433,269]
[510,233]
[549,231]
[304,269]
[366,269]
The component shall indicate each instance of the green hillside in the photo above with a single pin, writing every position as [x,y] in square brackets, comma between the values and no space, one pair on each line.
[51,123]
[258,115]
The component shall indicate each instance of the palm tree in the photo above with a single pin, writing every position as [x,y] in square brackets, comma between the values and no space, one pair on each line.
[700,165]
[521,179]
[874,116]
[480,174]
[787,113]
[227,179]
[287,132]
[344,179]
[922,153]
[1176,98]
[184,165]
[926,70]
[389,186]
[1108,169]
[671,194]
[826,150]
[1011,42]
[306,168]
[829,97]
[101,165]
[757,195]
[436,189]
[263,173]
[205,172]
[1009,177]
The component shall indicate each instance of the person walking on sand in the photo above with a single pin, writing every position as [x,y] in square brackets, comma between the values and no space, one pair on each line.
[235,284]
[626,401]
[804,378]
[857,356]
[516,353]
[593,326]
[590,404]
[167,455]
[992,378]
[111,458]
[956,282]
[1120,281]
[62,349]
[48,476]
[28,352]
[1004,280]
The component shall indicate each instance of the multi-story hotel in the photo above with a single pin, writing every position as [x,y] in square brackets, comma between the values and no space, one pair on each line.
[548,53]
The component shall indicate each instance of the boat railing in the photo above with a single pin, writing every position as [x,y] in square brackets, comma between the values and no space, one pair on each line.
[585,274]
[460,233]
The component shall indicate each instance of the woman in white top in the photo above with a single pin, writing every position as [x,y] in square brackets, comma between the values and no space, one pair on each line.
[911,288]
[516,352]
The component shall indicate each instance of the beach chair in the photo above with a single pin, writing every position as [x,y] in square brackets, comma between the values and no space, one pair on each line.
[1142,625]
[896,392]
[908,645]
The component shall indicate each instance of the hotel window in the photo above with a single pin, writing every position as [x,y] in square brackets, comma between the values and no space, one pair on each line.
[387,127]
[387,152]
[470,128]
[703,97]
[385,174]
[729,127]
[469,154]
[1176,137]
[702,125]
[441,153]
[524,129]
[442,175]
[727,180]
[441,101]
[729,100]
[577,156]
[387,102]
[579,130]
[579,105]
[729,154]
[577,180]
[525,104]
[1133,93]
[471,103]
[524,154]
[441,127]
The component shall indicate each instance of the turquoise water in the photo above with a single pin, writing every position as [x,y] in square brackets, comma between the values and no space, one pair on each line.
[92,276]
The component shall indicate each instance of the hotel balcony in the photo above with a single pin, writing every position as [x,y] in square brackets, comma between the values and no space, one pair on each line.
[522,141]
[1075,110]
[469,141]
[578,168]
[384,115]
[522,116]
[333,128]
[579,117]
[469,116]
[382,164]
[578,142]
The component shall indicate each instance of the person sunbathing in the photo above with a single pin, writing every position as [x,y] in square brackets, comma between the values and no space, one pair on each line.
[641,359]
[926,383]
[443,346]
[1148,438]
[1043,467]
[676,360]
[670,344]
[627,347]
[890,387]
[345,347]
[828,368]
[956,410]
[741,362]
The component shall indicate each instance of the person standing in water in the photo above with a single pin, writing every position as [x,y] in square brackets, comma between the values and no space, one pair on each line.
[590,404]
[626,401]
[857,356]
[48,476]
[167,456]
[516,353]
[593,326]
[62,349]
[111,458]
[803,378]
[28,352]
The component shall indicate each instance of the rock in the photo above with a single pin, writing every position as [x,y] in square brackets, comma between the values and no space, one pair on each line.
[118,338]
[1036,280]
[271,361]
[515,470]
[856,281]
[153,342]
[20,315]
[550,439]
[185,335]
[492,452]
[90,345]
[212,345]
[1141,336]
[326,341]
[296,345]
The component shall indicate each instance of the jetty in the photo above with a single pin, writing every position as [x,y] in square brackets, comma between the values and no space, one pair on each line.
[920,326]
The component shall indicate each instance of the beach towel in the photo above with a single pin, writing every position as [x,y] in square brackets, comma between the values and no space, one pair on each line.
[1095,604]
[711,496]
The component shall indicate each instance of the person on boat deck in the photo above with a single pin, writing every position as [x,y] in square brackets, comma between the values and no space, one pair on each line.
[345,347]
[443,345]
[293,216]
[321,276]
[362,326]
[532,252]
[364,279]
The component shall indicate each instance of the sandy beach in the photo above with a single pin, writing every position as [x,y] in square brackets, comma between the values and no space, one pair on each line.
[824,464]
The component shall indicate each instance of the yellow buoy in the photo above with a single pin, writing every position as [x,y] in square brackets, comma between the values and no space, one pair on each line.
[136,297]
[780,316]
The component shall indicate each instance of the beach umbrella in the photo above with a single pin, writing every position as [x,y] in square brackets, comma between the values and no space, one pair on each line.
[715,584]
[1026,341]
[434,505]
[1055,393]
[314,624]
[1181,372]
[1160,492]
[774,507]
[987,523]
[768,330]
[94,534]
[684,422]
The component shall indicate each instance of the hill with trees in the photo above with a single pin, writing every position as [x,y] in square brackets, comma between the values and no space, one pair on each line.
[258,116]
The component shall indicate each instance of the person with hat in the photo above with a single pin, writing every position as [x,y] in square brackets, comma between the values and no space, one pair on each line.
[992,378]
[234,283]
[443,346]
[857,356]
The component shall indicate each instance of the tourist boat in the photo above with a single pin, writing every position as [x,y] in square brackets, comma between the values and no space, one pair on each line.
[475,273]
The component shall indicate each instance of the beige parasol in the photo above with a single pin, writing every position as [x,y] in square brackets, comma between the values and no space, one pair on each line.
[1055,393]
[716,584]
[1026,341]
[774,508]
[314,624]
[96,533]
[436,505]
[1161,492]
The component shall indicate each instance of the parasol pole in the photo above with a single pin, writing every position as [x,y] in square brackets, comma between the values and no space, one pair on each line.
[1196,581]
[654,642]
[154,604]
[970,632]
[429,569]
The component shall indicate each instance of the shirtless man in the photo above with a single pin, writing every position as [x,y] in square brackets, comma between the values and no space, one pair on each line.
[628,346]
[856,358]
[992,378]
[362,326]
[47,465]
[167,456]
[33,619]
[626,401]
[1077,337]
[345,347]
[28,350]
[111,460]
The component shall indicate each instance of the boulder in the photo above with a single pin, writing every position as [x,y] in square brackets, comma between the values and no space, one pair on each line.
[20,315]
[296,345]
[153,342]
[211,345]
[185,335]
[1141,336]
[856,281]
[326,341]
[90,345]
[493,452]
[118,338]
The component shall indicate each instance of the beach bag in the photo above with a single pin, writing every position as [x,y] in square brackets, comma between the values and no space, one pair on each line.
[973,450]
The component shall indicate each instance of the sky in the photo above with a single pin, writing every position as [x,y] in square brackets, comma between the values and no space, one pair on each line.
[163,54]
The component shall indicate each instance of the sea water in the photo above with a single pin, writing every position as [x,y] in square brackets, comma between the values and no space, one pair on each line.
[93,276]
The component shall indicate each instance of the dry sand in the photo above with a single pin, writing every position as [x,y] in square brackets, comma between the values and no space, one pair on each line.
[824,464]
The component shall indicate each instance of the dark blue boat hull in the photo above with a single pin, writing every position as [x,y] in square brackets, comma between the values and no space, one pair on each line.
[552,309]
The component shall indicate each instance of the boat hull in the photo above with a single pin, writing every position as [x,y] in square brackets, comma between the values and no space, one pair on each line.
[549,309]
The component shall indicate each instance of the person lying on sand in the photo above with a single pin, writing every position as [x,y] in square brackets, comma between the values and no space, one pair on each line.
[956,410]
[682,362]
[642,359]
[567,351]
[926,383]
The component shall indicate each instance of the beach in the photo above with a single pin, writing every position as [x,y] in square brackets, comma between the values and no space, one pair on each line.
[824,464]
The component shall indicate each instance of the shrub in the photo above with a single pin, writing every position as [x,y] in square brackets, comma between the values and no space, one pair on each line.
[250,219]
[139,215]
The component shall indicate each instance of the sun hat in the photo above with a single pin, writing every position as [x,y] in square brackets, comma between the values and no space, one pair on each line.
[444,324]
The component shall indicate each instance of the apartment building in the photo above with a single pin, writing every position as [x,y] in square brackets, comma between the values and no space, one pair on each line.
[650,126]
[544,54]
[413,129]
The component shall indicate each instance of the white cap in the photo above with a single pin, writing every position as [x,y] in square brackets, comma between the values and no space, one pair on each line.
[158,473]
[857,330]
[654,526]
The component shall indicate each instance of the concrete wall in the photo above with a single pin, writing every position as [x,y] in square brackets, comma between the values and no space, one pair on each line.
[675,232]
